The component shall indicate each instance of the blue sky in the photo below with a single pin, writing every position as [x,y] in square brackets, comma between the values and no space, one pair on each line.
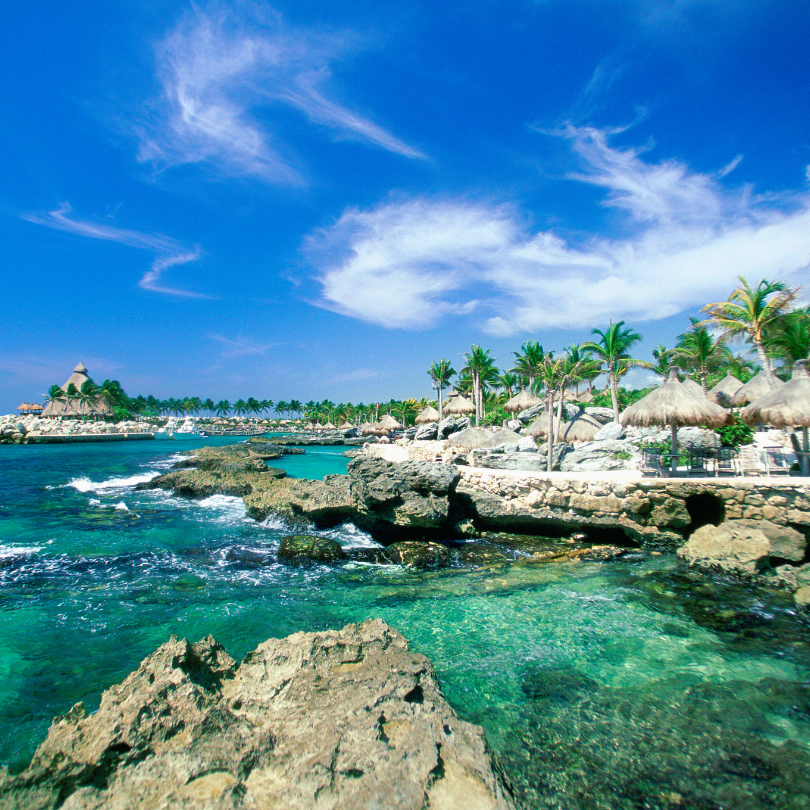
[309,200]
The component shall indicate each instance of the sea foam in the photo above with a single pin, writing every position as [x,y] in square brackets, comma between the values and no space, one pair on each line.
[86,485]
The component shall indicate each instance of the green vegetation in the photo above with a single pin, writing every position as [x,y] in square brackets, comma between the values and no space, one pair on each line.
[777,334]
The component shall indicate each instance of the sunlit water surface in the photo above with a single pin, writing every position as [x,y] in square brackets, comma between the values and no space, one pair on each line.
[630,684]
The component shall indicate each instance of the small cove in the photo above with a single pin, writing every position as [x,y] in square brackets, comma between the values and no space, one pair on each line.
[634,683]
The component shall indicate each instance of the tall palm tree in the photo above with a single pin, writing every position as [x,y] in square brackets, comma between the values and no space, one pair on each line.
[611,350]
[550,376]
[748,313]
[54,396]
[72,396]
[295,407]
[89,395]
[441,372]
[699,351]
[240,407]
[209,405]
[481,367]
[223,407]
[663,360]
[788,339]
[528,362]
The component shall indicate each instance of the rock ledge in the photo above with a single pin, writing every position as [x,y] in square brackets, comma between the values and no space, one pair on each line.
[337,719]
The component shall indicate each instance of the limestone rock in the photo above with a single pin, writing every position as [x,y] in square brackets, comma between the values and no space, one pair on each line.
[603,455]
[306,549]
[338,719]
[452,425]
[742,546]
[530,414]
[527,445]
[603,415]
[612,430]
[426,432]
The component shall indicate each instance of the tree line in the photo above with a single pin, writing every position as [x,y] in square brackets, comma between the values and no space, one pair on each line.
[765,317]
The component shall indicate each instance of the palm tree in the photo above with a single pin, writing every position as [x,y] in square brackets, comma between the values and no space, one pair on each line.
[253,405]
[508,382]
[481,367]
[54,396]
[113,394]
[788,338]
[551,374]
[295,407]
[441,372]
[240,407]
[749,313]
[663,360]
[612,349]
[72,396]
[223,407]
[209,405]
[89,394]
[700,351]
[408,408]
[528,362]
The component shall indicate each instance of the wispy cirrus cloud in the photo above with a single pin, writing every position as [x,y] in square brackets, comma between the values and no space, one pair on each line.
[222,78]
[241,346]
[684,240]
[171,252]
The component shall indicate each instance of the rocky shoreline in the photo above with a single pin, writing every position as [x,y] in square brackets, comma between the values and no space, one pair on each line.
[432,513]
[337,719]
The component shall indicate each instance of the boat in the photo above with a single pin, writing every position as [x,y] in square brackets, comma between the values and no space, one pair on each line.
[174,429]
[188,430]
[167,431]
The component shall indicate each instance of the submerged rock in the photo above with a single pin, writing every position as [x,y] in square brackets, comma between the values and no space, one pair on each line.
[338,719]
[419,555]
[306,549]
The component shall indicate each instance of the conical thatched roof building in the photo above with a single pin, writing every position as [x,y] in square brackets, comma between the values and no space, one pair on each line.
[724,391]
[695,387]
[469,437]
[389,423]
[75,407]
[503,436]
[429,414]
[456,403]
[755,388]
[582,428]
[786,407]
[675,405]
[521,401]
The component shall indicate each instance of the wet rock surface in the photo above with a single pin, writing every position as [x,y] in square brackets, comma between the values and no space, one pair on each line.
[337,719]
[308,549]
[419,555]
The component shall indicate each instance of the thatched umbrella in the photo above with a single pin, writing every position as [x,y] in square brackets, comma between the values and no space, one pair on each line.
[786,407]
[722,393]
[346,426]
[503,436]
[429,414]
[674,405]
[328,426]
[458,404]
[586,397]
[756,387]
[520,402]
[537,428]
[695,387]
[582,428]
[389,423]
[469,437]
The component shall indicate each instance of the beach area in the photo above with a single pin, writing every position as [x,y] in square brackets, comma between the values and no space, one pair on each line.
[603,684]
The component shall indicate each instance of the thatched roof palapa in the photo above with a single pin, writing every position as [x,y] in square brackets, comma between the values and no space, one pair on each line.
[756,387]
[722,393]
[521,401]
[582,428]
[389,423]
[503,436]
[73,407]
[695,387]
[456,403]
[674,405]
[786,407]
[469,437]
[429,414]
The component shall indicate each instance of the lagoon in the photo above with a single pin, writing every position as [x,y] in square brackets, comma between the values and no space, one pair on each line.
[633,683]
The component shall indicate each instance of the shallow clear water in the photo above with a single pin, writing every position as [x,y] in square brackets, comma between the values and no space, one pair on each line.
[627,684]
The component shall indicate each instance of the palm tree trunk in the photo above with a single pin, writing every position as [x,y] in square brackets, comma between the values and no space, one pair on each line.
[550,444]
[440,404]
[614,393]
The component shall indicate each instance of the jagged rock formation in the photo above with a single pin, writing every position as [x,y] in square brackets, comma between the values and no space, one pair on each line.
[339,719]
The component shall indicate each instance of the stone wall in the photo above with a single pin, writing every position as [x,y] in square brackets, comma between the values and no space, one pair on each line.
[653,512]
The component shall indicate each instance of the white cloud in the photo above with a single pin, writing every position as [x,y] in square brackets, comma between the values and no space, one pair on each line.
[408,264]
[173,252]
[221,75]
[241,346]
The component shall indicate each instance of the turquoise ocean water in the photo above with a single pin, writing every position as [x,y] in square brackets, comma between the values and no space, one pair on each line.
[630,684]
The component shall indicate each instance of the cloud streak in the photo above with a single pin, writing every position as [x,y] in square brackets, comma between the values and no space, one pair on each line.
[683,241]
[222,79]
[173,252]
